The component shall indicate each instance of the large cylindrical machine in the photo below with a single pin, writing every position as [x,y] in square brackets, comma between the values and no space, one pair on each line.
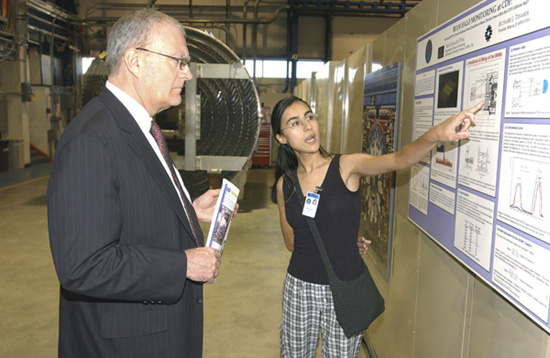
[214,132]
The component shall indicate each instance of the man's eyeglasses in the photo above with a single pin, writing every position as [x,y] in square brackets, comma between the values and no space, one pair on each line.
[298,123]
[183,62]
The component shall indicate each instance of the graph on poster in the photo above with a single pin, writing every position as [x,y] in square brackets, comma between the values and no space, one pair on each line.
[527,177]
[491,187]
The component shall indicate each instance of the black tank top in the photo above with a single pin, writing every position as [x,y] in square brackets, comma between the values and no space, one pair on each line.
[337,218]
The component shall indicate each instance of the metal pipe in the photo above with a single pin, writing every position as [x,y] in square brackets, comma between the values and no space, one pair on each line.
[53,10]
[21,22]
[227,14]
[11,51]
[170,8]
[37,29]
[245,10]
[231,38]
[255,39]
[266,20]
[5,33]
[52,57]
[46,22]
[288,48]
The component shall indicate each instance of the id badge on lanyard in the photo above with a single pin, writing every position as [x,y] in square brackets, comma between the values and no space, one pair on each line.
[311,203]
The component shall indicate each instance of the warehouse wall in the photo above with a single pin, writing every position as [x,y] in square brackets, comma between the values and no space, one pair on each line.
[435,306]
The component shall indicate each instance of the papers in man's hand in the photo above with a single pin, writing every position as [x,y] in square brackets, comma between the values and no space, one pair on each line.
[223,214]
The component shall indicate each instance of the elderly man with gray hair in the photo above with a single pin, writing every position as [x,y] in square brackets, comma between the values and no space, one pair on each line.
[124,233]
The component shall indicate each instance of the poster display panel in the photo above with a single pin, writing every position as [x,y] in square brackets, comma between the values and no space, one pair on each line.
[484,199]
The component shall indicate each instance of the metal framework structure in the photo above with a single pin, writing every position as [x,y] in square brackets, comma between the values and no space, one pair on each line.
[215,129]
[221,125]
[224,91]
[353,7]
[221,17]
[327,9]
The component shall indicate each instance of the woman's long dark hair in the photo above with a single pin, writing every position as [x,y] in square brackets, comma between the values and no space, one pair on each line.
[286,158]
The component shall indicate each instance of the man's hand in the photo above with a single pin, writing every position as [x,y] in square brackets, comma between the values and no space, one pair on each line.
[203,264]
[205,204]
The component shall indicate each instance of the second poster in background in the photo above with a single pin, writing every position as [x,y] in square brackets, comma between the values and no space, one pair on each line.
[380,113]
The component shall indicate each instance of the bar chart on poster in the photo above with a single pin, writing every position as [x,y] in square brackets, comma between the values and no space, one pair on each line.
[484,199]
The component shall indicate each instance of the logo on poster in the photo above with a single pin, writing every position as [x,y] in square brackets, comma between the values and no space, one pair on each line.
[488,33]
[428,53]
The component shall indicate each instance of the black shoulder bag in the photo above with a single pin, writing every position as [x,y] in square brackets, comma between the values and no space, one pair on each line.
[357,302]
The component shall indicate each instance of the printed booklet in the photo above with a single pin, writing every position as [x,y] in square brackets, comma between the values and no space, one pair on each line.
[223,214]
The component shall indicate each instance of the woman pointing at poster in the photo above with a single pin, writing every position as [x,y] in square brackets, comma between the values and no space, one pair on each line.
[334,180]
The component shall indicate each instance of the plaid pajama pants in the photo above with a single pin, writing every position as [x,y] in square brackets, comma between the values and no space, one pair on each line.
[308,308]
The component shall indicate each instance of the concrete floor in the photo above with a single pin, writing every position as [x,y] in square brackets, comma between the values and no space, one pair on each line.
[242,308]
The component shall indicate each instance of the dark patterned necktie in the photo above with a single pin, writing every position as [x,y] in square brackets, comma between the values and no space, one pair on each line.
[156,132]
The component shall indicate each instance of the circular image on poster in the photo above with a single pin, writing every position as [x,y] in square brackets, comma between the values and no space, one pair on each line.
[429,49]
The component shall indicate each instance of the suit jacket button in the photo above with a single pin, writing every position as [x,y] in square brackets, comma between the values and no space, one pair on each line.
[199,300]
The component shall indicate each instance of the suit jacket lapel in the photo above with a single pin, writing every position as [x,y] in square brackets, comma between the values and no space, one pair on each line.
[139,144]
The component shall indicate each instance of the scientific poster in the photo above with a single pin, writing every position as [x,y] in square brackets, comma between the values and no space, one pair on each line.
[379,137]
[478,162]
[418,188]
[422,119]
[525,167]
[484,199]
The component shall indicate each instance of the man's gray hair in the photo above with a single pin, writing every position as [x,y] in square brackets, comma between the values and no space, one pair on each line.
[133,30]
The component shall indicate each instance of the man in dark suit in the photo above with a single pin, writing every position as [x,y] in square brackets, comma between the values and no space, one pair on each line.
[130,261]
